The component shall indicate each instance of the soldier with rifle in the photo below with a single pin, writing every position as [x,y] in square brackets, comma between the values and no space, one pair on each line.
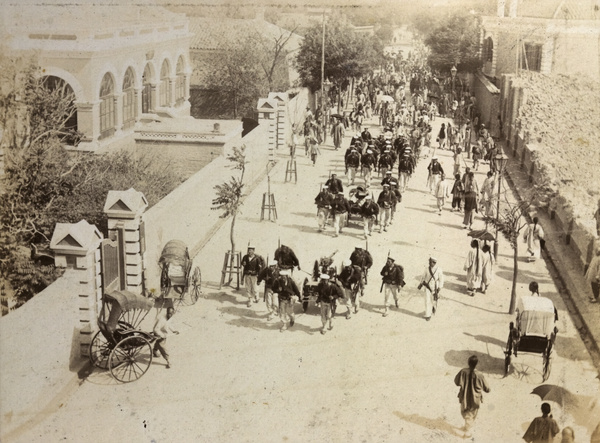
[350,278]
[432,281]
[286,258]
[328,292]
[369,211]
[362,258]
[285,287]
[252,264]
[393,281]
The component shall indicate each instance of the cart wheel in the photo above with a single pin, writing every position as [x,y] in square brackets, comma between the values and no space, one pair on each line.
[130,359]
[547,366]
[99,351]
[196,285]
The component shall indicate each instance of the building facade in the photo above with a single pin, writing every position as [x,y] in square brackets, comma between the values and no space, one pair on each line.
[123,63]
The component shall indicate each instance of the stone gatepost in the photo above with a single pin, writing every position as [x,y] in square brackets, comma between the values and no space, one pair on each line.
[76,246]
[282,129]
[125,225]
[267,116]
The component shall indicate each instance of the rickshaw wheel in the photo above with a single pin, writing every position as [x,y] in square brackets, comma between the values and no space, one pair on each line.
[196,285]
[547,366]
[130,359]
[99,351]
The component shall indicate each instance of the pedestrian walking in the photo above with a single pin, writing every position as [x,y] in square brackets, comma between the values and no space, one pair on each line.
[435,172]
[384,201]
[163,327]
[369,212]
[470,203]
[488,195]
[441,192]
[458,192]
[268,275]
[472,385]
[458,160]
[405,169]
[323,202]
[392,282]
[487,266]
[441,137]
[314,150]
[252,264]
[286,289]
[593,276]
[476,152]
[350,278]
[340,208]
[534,238]
[337,134]
[432,281]
[474,267]
[328,292]
[542,429]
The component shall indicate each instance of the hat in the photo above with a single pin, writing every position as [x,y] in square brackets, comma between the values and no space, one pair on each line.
[251,246]
[388,172]
[273,263]
[285,272]
[386,185]
[340,193]
[433,258]
[390,258]
[435,157]
[347,263]
[369,151]
[353,150]
[393,183]
[324,277]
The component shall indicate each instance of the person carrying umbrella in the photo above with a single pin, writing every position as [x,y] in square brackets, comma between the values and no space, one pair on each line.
[542,429]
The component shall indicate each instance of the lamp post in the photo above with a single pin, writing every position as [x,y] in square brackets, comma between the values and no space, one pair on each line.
[501,161]
[453,71]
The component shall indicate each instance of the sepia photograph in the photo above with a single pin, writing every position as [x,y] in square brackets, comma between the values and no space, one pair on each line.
[290,221]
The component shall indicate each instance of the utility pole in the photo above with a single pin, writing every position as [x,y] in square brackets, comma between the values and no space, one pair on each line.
[323,65]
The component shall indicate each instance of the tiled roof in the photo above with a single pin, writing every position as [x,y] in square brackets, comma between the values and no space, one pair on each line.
[211,33]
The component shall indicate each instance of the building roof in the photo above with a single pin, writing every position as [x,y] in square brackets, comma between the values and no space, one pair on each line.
[559,9]
[212,34]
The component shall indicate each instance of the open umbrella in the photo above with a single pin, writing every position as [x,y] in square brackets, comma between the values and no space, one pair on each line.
[481,234]
[386,98]
[585,410]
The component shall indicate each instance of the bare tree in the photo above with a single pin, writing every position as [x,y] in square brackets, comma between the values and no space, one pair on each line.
[273,54]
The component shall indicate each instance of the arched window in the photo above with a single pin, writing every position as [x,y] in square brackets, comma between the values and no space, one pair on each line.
[107,106]
[180,83]
[68,133]
[488,50]
[147,104]
[129,102]
[165,96]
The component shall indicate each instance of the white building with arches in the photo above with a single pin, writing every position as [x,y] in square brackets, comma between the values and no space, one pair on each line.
[125,64]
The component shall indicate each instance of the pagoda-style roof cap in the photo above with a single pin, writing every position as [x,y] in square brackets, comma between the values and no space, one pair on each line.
[75,238]
[125,204]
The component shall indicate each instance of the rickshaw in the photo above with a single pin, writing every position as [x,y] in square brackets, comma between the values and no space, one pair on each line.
[535,331]
[120,345]
[176,273]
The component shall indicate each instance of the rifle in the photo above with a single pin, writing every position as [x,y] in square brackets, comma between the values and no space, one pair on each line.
[381,289]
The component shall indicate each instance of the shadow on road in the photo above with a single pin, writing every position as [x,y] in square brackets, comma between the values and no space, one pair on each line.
[487,339]
[474,307]
[487,363]
[429,423]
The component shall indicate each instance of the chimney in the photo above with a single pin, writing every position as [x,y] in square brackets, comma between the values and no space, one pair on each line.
[512,11]
[501,5]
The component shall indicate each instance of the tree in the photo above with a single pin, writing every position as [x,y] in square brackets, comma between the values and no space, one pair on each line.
[230,194]
[272,58]
[347,55]
[454,42]
[236,72]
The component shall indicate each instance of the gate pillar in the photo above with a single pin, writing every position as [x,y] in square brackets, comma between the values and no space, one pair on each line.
[76,246]
[125,225]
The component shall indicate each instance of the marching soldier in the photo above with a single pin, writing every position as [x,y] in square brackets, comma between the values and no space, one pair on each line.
[340,209]
[396,198]
[406,167]
[252,264]
[334,184]
[286,258]
[367,163]
[385,162]
[369,212]
[362,258]
[350,279]
[269,274]
[388,178]
[384,201]
[328,292]
[392,281]
[323,202]
[352,160]
[286,288]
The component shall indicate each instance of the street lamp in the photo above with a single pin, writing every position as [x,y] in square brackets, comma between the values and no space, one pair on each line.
[453,71]
[501,161]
